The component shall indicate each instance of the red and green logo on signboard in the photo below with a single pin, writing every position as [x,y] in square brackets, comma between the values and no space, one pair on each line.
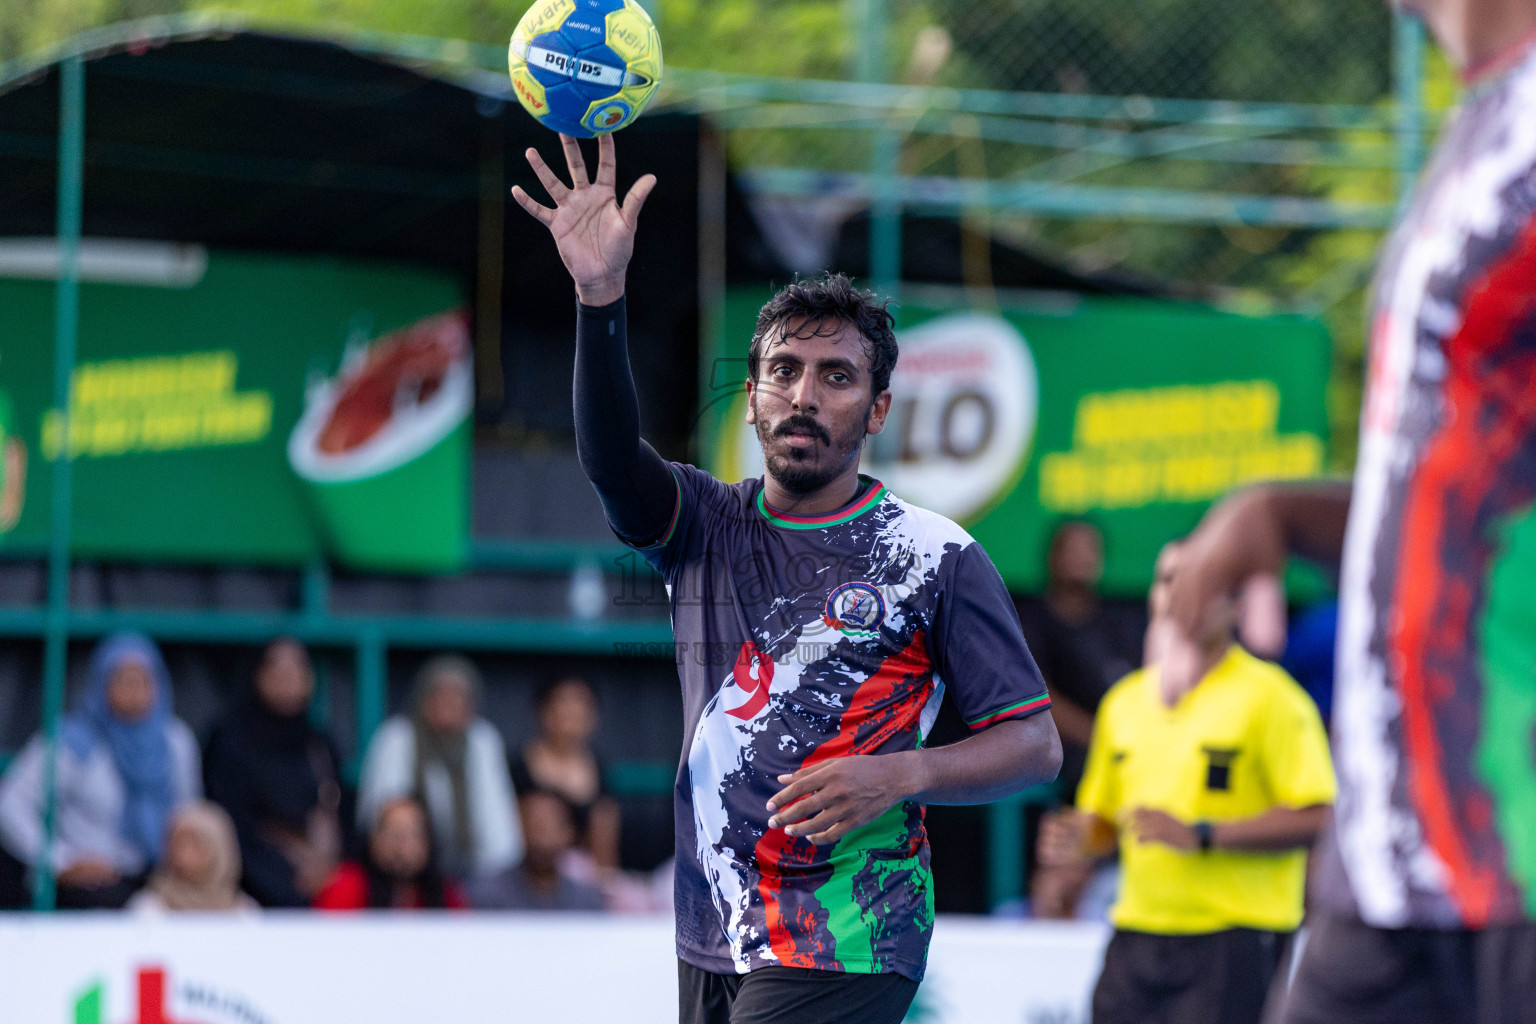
[152,1003]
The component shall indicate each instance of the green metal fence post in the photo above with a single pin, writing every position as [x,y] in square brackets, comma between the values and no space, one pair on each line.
[314,606]
[372,689]
[1006,842]
[873,65]
[1408,83]
[66,330]
[1005,851]
[885,214]
[315,595]
[713,175]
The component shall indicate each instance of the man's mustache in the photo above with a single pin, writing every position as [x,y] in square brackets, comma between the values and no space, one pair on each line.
[803,425]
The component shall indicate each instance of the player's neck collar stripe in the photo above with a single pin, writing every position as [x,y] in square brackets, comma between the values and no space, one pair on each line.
[794,522]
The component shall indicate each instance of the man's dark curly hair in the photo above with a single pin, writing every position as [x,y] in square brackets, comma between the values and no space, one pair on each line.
[822,305]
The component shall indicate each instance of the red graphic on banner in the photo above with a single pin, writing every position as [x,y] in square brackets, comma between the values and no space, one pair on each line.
[152,1003]
[152,999]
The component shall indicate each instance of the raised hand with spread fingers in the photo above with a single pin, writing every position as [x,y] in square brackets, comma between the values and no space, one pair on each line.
[594,233]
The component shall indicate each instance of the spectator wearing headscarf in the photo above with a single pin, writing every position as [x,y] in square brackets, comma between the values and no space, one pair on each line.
[398,869]
[125,763]
[201,867]
[456,763]
[279,778]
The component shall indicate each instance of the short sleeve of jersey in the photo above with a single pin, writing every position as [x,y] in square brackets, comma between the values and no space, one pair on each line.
[1099,792]
[1297,765]
[978,647]
[699,496]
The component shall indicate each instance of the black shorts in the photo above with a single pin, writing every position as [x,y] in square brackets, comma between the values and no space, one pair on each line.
[791,994]
[1351,973]
[1217,978]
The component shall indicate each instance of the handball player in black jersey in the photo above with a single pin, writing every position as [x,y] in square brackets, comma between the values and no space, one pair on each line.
[819,622]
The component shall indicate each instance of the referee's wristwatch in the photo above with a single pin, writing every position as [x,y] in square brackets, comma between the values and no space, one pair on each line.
[1204,834]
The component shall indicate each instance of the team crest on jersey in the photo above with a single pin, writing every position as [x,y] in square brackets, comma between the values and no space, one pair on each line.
[855,609]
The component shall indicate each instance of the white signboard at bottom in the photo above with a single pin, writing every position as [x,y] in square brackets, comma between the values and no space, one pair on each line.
[506,968]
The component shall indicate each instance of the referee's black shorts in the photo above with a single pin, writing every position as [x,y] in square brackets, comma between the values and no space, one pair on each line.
[1217,978]
[1351,973]
[791,994]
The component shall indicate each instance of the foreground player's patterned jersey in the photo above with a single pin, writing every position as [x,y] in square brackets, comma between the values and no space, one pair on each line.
[1435,707]
[801,639]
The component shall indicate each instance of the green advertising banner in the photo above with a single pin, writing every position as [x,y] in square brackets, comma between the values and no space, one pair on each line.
[232,407]
[1133,413]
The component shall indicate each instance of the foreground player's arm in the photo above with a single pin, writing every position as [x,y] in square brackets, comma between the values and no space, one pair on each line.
[1279,828]
[994,763]
[595,237]
[827,801]
[1249,533]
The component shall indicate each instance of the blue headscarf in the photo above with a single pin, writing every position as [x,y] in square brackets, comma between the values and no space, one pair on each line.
[141,750]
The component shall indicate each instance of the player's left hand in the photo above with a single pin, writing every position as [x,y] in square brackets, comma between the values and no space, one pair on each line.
[827,801]
[1151,826]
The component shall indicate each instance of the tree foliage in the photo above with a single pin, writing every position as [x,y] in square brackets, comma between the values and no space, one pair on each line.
[28,25]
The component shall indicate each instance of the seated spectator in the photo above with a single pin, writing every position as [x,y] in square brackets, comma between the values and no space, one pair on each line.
[1082,645]
[539,883]
[125,763]
[456,762]
[560,760]
[399,869]
[279,778]
[201,866]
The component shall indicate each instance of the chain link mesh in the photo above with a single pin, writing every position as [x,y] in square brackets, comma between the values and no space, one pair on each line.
[1300,51]
[1329,61]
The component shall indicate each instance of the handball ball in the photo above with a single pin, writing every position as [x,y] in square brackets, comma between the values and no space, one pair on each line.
[585,67]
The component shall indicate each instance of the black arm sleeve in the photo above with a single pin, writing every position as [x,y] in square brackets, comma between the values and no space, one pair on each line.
[635,485]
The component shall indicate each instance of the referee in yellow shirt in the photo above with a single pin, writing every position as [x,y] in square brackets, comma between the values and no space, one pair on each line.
[1214,795]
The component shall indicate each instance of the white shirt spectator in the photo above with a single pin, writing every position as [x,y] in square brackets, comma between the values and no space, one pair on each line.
[389,771]
[91,803]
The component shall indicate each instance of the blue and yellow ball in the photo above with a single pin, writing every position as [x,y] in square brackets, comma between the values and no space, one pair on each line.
[585,67]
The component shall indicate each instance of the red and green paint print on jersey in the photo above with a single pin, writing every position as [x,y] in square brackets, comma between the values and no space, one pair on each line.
[1435,708]
[801,639]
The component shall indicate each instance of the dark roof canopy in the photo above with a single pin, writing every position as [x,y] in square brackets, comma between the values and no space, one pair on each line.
[260,140]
